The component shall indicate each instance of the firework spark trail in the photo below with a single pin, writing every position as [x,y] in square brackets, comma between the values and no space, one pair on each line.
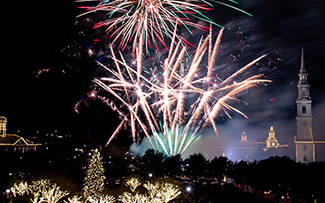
[152,21]
[181,102]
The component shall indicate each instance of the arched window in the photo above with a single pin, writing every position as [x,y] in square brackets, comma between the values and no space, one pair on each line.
[303,109]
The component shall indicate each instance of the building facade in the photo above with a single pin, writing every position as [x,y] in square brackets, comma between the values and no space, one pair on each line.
[305,147]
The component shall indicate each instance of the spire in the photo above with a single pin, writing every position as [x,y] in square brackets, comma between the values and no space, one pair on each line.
[303,72]
[303,86]
[271,132]
[302,68]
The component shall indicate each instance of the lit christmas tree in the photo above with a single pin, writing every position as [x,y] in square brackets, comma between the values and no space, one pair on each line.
[94,180]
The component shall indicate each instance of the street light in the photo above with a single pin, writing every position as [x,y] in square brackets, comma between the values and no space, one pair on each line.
[7,192]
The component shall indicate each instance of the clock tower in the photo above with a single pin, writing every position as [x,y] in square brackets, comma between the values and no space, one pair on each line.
[305,148]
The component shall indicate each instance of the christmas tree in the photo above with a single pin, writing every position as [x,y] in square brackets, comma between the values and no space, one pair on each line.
[94,181]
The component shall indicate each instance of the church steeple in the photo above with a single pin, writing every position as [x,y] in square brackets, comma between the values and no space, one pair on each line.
[305,149]
[303,85]
[302,65]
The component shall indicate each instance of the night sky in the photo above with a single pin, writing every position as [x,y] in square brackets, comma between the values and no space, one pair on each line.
[41,36]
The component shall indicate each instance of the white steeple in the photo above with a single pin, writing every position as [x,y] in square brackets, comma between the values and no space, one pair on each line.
[305,148]
[303,85]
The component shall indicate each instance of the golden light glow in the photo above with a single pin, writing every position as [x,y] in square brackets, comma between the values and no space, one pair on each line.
[157,192]
[133,183]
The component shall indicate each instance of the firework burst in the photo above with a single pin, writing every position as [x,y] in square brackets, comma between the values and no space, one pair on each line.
[176,141]
[147,22]
[184,98]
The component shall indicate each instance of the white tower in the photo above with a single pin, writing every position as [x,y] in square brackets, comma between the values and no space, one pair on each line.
[305,149]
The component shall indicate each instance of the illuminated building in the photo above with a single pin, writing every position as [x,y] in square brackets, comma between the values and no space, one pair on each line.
[305,152]
[271,141]
[12,141]
[244,137]
[305,143]
[3,126]
[255,149]
[305,149]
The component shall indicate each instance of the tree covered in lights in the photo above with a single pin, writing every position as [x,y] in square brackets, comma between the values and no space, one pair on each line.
[39,191]
[94,181]
[157,192]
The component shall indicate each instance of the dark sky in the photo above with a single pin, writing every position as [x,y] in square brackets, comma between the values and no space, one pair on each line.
[36,33]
